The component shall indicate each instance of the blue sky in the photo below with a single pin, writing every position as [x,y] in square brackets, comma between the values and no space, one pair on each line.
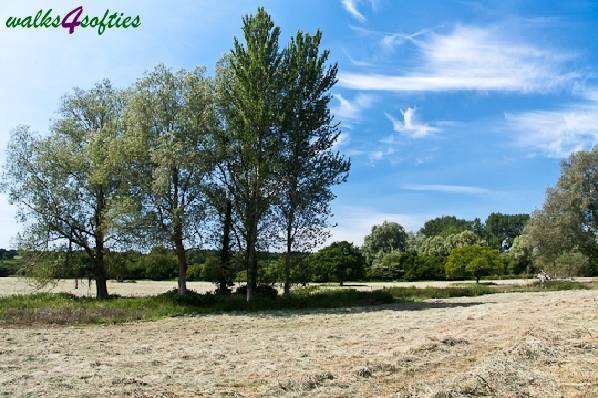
[447,107]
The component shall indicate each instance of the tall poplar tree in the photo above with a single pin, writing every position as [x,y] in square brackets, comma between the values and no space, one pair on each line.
[309,164]
[249,95]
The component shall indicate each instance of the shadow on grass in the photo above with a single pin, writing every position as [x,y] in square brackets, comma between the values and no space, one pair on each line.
[397,306]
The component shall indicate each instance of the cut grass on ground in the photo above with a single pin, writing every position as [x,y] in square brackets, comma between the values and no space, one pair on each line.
[63,308]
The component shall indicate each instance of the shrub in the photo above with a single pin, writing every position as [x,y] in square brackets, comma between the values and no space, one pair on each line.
[407,266]
[160,264]
[341,261]
[195,272]
[472,261]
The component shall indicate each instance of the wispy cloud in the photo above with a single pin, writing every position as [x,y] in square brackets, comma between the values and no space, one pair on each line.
[351,7]
[465,189]
[470,58]
[556,133]
[391,40]
[410,126]
[352,110]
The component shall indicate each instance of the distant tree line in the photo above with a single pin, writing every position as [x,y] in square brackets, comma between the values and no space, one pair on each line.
[561,239]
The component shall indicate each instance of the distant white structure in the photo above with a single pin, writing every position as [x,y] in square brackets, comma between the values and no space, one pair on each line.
[542,276]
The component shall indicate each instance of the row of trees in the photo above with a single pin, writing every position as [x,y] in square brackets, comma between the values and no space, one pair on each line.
[244,161]
[446,247]
[561,238]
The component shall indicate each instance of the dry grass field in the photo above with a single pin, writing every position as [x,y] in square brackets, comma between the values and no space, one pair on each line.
[13,285]
[504,345]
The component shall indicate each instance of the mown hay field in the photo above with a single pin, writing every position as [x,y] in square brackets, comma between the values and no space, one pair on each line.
[512,344]
[14,285]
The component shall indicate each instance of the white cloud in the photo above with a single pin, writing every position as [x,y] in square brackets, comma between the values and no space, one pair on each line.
[352,110]
[410,126]
[351,7]
[376,156]
[556,133]
[356,222]
[392,40]
[470,58]
[447,188]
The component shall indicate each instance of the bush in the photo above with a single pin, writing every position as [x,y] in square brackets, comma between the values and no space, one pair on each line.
[407,266]
[264,291]
[9,267]
[472,261]
[341,261]
[160,264]
[195,272]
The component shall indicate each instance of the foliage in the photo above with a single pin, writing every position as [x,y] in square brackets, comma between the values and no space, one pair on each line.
[521,255]
[339,262]
[568,222]
[472,261]
[383,239]
[442,245]
[171,120]
[414,242]
[309,164]
[159,264]
[10,267]
[501,229]
[67,183]
[407,266]
[447,225]
[249,88]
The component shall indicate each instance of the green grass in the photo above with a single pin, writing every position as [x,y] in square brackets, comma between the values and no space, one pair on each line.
[470,290]
[63,308]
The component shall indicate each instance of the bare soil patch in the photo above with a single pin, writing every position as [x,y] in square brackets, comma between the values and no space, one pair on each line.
[505,345]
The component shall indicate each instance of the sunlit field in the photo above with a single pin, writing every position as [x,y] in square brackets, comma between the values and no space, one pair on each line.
[542,343]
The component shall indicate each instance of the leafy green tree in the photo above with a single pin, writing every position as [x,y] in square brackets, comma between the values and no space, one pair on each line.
[407,266]
[567,264]
[521,254]
[309,164]
[501,229]
[68,184]
[341,261]
[160,264]
[249,101]
[414,242]
[472,261]
[568,222]
[172,117]
[442,245]
[383,239]
[446,225]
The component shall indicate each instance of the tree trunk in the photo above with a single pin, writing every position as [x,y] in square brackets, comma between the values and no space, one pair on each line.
[181,258]
[225,259]
[287,265]
[251,256]
[100,273]
[177,221]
